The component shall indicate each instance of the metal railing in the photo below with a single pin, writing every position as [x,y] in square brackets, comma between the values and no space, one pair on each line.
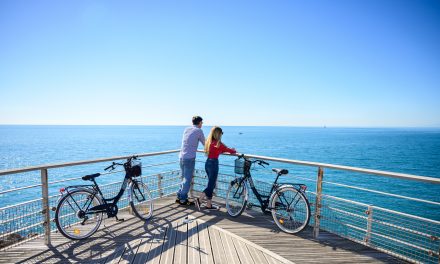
[33,218]
[406,236]
[409,237]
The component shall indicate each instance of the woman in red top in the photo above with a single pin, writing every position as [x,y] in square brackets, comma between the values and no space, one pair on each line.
[213,148]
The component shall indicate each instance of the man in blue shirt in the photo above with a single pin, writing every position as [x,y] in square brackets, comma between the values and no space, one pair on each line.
[190,141]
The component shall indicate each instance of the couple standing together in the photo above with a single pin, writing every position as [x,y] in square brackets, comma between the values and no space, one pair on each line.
[213,148]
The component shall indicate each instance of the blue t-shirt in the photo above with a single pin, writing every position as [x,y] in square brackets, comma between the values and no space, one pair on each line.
[190,141]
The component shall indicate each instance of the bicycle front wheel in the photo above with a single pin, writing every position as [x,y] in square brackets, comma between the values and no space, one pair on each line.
[141,201]
[73,216]
[236,197]
[290,209]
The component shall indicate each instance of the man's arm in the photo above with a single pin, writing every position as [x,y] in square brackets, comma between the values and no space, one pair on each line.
[202,137]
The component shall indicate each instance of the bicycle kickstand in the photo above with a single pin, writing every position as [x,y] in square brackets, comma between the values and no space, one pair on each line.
[119,220]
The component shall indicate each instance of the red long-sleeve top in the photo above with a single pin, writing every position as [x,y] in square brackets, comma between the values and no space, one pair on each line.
[215,151]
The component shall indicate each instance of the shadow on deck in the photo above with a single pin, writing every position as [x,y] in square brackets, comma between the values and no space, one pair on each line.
[213,237]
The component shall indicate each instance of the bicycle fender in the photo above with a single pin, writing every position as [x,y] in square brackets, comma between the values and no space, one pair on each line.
[68,192]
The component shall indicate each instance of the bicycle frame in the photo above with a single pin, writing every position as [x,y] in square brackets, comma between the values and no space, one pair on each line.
[264,199]
[107,202]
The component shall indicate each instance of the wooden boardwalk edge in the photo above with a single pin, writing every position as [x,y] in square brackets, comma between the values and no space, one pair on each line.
[247,242]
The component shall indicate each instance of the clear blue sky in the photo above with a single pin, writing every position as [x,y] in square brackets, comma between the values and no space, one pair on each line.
[295,63]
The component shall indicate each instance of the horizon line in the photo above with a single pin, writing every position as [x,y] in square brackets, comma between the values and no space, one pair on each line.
[209,125]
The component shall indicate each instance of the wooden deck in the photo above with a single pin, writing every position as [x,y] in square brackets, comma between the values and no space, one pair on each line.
[179,234]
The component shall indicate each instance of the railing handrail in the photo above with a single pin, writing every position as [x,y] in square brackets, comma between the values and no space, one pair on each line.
[75,163]
[346,168]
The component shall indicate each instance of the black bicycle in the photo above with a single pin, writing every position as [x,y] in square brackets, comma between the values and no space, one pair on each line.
[286,201]
[80,209]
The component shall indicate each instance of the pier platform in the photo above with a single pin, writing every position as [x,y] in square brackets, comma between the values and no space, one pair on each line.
[180,234]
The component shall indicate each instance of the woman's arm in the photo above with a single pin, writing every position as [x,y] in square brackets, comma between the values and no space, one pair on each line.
[223,149]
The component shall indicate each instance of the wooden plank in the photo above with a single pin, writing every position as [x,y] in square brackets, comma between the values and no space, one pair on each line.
[181,247]
[271,260]
[156,248]
[131,249]
[243,252]
[217,246]
[193,243]
[115,256]
[228,245]
[150,247]
[143,251]
[206,255]
[169,243]
[257,255]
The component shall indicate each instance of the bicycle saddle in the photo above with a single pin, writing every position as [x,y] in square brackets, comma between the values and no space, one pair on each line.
[280,171]
[90,177]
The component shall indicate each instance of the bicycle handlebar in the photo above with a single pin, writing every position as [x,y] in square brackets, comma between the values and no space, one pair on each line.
[108,167]
[260,162]
[112,167]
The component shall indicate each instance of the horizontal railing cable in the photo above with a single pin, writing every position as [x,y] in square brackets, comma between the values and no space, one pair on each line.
[383,193]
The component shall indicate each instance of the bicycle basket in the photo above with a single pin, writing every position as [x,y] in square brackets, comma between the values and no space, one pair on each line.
[241,165]
[136,169]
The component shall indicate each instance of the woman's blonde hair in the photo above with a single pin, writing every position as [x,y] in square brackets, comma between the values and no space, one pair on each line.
[215,134]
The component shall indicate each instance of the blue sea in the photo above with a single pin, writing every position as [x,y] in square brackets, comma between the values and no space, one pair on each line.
[405,150]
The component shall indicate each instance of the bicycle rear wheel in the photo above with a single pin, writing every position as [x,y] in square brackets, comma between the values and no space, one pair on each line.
[236,197]
[72,216]
[141,201]
[290,209]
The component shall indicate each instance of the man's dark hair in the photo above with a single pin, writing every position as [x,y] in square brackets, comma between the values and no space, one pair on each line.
[197,120]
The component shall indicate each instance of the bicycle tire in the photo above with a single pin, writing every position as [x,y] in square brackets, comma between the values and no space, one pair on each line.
[141,201]
[291,218]
[68,219]
[235,205]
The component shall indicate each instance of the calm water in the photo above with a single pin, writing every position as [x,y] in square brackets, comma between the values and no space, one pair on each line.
[413,151]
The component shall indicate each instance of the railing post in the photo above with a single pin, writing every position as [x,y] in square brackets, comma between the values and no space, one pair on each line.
[45,205]
[369,212]
[159,184]
[318,202]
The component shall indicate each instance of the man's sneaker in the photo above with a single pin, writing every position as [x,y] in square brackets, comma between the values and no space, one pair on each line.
[185,202]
